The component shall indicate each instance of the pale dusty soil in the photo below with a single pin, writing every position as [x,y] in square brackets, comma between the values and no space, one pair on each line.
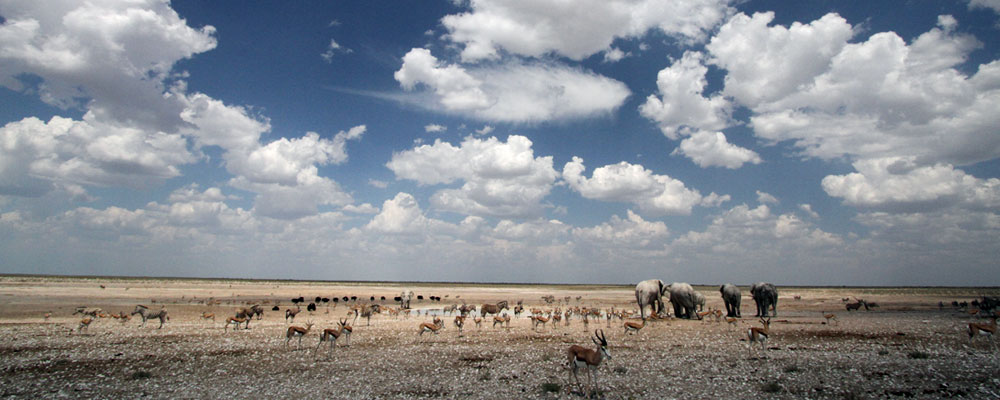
[866,355]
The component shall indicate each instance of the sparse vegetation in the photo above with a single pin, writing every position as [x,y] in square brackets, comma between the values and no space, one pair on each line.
[141,374]
[864,358]
[771,387]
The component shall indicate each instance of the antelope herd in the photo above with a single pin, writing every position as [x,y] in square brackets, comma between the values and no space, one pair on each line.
[632,321]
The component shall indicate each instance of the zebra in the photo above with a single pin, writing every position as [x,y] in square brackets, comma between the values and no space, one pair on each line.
[146,314]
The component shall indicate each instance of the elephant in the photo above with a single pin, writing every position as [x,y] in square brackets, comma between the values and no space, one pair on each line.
[404,299]
[649,293]
[765,295]
[699,301]
[731,295]
[683,297]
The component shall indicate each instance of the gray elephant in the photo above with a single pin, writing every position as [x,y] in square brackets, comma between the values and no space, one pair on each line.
[765,295]
[699,301]
[683,297]
[731,295]
[649,293]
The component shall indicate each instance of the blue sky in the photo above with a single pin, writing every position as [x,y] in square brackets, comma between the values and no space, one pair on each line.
[820,143]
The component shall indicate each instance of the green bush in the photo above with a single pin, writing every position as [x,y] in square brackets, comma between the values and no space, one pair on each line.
[771,387]
[141,375]
[551,387]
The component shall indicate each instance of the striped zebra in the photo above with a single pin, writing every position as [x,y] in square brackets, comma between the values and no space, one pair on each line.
[146,314]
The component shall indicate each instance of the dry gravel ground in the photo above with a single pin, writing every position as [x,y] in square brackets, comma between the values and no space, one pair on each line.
[908,348]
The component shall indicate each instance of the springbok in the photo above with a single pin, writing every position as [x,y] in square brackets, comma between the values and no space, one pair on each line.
[205,315]
[331,335]
[297,331]
[831,317]
[984,330]
[143,311]
[427,327]
[633,328]
[459,323]
[347,330]
[580,357]
[84,324]
[755,334]
[538,320]
[235,321]
[289,314]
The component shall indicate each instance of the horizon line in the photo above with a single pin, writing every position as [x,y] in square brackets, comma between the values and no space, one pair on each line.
[23,275]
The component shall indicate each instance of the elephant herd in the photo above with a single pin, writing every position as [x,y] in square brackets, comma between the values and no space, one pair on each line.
[687,302]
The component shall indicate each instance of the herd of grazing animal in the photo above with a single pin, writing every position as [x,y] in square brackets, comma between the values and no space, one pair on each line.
[687,304]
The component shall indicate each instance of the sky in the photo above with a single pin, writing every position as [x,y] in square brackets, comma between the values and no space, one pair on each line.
[549,141]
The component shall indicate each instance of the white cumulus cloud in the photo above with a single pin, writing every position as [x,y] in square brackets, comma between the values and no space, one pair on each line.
[498,178]
[575,29]
[632,183]
[682,106]
[512,91]
[895,182]
[711,149]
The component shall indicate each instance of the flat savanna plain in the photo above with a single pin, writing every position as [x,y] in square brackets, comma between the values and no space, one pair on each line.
[907,347]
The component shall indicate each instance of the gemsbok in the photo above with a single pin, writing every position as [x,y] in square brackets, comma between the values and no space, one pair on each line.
[580,357]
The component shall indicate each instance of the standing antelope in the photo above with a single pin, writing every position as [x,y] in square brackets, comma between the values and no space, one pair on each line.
[84,324]
[755,334]
[143,311]
[205,315]
[538,320]
[732,321]
[633,328]
[289,314]
[346,331]
[427,327]
[985,330]
[297,331]
[831,317]
[331,335]
[580,357]
[235,321]
[459,323]
[497,319]
[479,322]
